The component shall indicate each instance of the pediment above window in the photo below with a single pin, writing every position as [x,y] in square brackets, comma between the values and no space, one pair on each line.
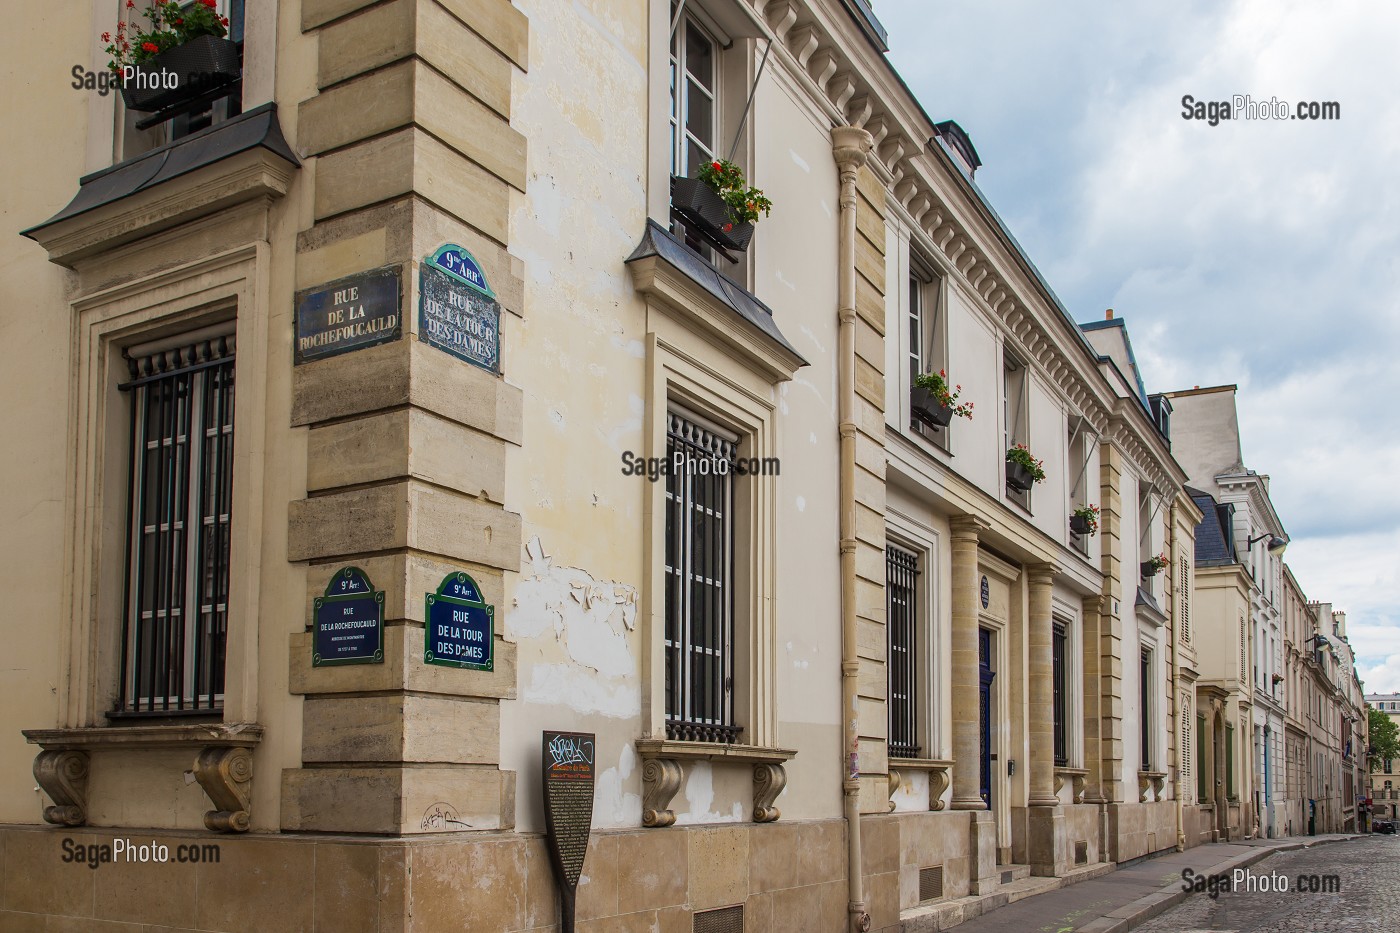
[229,163]
[686,286]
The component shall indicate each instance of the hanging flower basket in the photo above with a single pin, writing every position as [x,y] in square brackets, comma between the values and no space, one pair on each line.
[701,206]
[934,403]
[1150,568]
[182,73]
[927,409]
[1085,520]
[181,53]
[1022,470]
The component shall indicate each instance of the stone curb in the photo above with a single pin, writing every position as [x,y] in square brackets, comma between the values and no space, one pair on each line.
[1145,908]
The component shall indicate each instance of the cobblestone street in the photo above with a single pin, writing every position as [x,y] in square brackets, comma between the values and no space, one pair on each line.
[1369,897]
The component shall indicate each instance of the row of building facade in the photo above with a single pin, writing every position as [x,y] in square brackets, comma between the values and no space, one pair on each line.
[844,692]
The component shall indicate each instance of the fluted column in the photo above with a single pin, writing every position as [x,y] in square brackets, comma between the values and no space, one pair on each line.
[967,792]
[1041,578]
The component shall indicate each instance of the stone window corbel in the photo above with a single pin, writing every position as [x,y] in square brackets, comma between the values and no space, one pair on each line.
[662,775]
[939,776]
[1077,777]
[223,765]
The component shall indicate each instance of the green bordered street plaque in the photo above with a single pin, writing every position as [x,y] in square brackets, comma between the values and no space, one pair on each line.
[459,625]
[349,621]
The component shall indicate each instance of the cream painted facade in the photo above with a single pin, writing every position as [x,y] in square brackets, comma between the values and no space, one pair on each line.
[1384,786]
[536,136]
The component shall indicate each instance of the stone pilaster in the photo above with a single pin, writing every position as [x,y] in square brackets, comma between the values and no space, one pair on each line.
[1111,709]
[1041,713]
[406,444]
[1093,611]
[967,794]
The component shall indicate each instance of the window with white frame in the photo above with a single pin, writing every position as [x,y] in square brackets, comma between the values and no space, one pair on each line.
[694,109]
[178,545]
[700,537]
[1078,447]
[1015,415]
[928,330]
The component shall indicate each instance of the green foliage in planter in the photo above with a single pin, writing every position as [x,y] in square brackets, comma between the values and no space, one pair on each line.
[1021,454]
[170,25]
[937,385]
[727,179]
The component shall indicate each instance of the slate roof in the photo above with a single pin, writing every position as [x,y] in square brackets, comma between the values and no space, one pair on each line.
[256,128]
[1213,549]
[657,241]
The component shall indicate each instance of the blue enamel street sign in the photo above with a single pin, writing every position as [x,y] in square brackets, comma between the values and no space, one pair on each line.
[347,314]
[458,318]
[349,621]
[462,266]
[459,625]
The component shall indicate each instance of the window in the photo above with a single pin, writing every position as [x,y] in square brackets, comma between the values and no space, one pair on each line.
[1185,742]
[1014,425]
[1202,793]
[901,587]
[927,335]
[1058,641]
[1184,589]
[1078,448]
[181,476]
[699,592]
[146,131]
[694,113]
[1145,708]
[1229,761]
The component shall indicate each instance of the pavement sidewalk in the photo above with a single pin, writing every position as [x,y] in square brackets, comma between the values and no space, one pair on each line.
[1129,896]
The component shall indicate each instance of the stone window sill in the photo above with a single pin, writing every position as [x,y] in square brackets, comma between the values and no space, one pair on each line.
[662,775]
[223,765]
[938,777]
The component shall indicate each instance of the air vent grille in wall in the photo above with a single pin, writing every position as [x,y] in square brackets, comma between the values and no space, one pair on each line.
[723,920]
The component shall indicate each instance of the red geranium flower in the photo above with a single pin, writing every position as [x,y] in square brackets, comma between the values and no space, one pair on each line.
[716,166]
[211,4]
[150,47]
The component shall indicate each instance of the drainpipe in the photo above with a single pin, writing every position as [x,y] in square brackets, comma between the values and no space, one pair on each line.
[1181,752]
[850,147]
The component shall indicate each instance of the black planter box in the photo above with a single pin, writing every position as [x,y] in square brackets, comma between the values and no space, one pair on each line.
[199,66]
[701,206]
[1079,525]
[1018,477]
[1148,569]
[927,409]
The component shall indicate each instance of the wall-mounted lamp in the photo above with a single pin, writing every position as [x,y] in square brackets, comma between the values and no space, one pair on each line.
[1276,544]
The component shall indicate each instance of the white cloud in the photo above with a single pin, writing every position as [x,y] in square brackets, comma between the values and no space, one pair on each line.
[1256,253]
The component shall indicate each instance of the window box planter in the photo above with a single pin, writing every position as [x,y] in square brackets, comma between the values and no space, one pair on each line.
[702,207]
[1148,569]
[1079,524]
[1019,477]
[927,408]
[198,66]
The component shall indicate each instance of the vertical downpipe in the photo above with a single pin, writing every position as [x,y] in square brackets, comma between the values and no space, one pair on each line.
[850,147]
[1181,752]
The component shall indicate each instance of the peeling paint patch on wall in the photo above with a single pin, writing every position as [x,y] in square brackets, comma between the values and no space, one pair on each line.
[700,795]
[574,633]
[612,805]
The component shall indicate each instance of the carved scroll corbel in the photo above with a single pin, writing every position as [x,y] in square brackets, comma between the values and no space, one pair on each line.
[768,783]
[937,784]
[226,774]
[661,778]
[63,773]
[895,780]
[1077,785]
[1144,787]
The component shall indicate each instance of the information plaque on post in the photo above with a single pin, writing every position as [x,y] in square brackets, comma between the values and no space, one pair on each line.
[349,621]
[567,770]
[460,625]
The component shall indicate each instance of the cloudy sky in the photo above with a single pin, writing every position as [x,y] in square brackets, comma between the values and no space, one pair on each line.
[1257,253]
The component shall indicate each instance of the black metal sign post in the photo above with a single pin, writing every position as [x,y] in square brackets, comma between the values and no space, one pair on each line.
[567,769]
